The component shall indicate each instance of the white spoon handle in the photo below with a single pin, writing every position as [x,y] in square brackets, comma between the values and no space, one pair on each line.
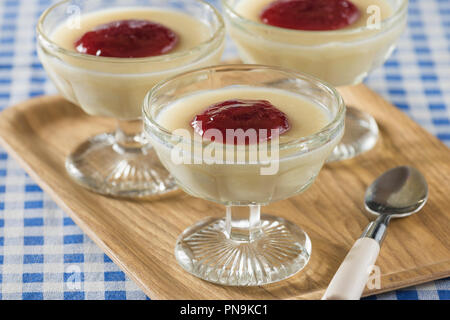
[350,279]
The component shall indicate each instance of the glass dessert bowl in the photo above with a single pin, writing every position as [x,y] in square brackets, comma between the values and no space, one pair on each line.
[187,119]
[340,51]
[105,60]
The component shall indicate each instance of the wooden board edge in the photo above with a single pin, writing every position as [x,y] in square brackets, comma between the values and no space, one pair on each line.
[85,228]
[412,277]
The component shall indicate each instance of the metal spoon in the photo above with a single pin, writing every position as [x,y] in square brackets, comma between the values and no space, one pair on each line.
[397,193]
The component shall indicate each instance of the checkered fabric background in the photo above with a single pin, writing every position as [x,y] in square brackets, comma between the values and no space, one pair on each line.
[44,255]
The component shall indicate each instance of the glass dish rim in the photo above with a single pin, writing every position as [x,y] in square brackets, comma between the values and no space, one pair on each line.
[215,37]
[305,141]
[242,20]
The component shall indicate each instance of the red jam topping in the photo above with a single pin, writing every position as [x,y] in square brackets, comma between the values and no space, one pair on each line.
[128,39]
[318,15]
[241,114]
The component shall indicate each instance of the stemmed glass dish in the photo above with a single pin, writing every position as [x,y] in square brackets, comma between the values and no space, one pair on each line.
[340,57]
[123,163]
[244,248]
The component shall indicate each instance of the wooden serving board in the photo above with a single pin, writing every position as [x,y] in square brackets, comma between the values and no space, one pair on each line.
[140,235]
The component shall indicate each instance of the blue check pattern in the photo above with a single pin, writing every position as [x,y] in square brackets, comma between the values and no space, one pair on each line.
[44,255]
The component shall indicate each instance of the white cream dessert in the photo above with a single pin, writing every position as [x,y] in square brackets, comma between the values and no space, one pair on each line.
[115,86]
[341,54]
[243,181]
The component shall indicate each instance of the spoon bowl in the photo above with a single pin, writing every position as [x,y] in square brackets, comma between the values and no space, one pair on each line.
[399,192]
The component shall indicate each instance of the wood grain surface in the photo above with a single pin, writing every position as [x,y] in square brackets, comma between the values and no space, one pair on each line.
[139,236]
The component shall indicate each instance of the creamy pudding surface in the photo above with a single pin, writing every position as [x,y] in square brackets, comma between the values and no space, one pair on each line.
[115,86]
[305,117]
[243,182]
[251,10]
[343,56]
[190,31]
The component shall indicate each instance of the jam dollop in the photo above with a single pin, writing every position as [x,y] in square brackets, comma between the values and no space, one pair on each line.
[128,39]
[318,15]
[241,114]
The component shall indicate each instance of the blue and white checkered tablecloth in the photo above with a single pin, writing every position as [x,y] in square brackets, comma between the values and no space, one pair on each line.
[44,255]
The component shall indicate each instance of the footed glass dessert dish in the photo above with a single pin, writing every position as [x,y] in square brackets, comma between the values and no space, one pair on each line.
[104,59]
[337,41]
[243,136]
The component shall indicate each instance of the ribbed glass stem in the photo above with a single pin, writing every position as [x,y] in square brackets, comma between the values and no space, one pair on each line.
[129,135]
[243,223]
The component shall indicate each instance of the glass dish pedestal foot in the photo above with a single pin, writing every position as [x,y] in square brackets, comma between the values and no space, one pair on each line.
[239,251]
[361,135]
[120,164]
